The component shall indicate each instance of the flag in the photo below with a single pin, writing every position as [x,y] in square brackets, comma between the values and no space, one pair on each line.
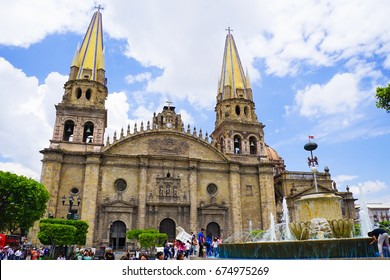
[311,137]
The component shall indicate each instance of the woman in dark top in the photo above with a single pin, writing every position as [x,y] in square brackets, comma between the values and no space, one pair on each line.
[380,235]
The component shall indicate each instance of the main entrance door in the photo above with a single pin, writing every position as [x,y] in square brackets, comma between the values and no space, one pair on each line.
[168,226]
[118,235]
[214,229]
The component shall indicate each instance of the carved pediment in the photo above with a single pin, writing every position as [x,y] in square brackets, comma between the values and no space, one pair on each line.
[168,145]
[312,190]
[213,207]
[119,206]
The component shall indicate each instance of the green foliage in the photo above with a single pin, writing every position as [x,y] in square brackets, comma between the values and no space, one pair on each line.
[22,202]
[257,233]
[56,234]
[150,240]
[385,225]
[383,98]
[357,231]
[80,236]
[134,233]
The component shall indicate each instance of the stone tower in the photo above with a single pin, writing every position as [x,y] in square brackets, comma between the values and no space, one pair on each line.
[71,163]
[239,135]
[237,130]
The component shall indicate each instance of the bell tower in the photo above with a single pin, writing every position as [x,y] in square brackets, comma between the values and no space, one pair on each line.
[81,117]
[237,130]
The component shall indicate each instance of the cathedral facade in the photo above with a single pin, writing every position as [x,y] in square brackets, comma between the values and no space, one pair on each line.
[162,174]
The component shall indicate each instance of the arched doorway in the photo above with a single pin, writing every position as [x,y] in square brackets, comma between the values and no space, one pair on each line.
[168,226]
[214,229]
[118,235]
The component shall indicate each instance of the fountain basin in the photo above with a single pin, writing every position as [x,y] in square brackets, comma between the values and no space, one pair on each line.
[301,249]
[324,205]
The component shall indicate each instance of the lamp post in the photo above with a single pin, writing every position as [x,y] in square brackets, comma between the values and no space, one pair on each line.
[70,215]
[312,161]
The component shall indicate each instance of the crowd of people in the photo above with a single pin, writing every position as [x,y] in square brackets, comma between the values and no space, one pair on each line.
[200,245]
[24,253]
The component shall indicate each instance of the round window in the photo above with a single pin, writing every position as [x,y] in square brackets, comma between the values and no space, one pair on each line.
[120,185]
[75,191]
[212,189]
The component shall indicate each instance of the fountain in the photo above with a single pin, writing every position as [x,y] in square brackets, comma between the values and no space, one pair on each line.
[314,239]
[318,232]
[364,219]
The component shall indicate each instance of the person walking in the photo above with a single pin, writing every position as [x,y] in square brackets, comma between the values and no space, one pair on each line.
[380,235]
[201,241]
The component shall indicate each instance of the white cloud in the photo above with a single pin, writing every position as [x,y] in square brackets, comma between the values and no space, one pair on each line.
[29,114]
[20,170]
[341,179]
[146,76]
[28,23]
[339,95]
[373,191]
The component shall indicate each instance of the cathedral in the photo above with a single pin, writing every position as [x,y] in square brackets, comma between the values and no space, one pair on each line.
[162,174]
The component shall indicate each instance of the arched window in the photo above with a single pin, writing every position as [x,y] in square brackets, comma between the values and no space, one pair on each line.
[221,143]
[246,111]
[78,93]
[238,110]
[252,145]
[68,131]
[237,144]
[88,94]
[88,132]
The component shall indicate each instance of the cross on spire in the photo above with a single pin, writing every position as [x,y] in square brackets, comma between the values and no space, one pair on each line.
[169,104]
[99,8]
[229,29]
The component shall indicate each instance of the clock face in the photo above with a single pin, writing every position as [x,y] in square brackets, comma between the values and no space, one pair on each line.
[169,125]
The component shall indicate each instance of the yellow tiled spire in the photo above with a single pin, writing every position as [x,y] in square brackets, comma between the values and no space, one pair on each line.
[89,57]
[233,82]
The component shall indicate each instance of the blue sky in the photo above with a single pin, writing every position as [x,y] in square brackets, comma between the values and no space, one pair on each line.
[314,67]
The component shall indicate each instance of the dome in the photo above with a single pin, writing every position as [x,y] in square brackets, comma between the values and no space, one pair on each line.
[272,154]
[274,157]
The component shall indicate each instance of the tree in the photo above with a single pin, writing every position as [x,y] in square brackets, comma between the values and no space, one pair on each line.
[152,239]
[56,234]
[383,98]
[148,238]
[22,202]
[79,237]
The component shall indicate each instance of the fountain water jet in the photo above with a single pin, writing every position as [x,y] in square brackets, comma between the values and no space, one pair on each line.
[364,219]
[286,220]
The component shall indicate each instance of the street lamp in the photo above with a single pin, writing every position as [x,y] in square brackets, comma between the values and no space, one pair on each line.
[312,161]
[71,216]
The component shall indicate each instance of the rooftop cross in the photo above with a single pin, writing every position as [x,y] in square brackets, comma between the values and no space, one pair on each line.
[169,104]
[228,29]
[99,8]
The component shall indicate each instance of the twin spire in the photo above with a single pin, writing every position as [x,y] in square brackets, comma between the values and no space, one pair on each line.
[233,82]
[89,57]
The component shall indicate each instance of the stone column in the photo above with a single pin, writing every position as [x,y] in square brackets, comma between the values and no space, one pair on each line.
[267,194]
[50,178]
[89,195]
[235,198]
[193,185]
[142,189]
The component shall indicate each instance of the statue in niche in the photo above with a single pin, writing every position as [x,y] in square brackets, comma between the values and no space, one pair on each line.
[167,190]
[161,192]
[174,191]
